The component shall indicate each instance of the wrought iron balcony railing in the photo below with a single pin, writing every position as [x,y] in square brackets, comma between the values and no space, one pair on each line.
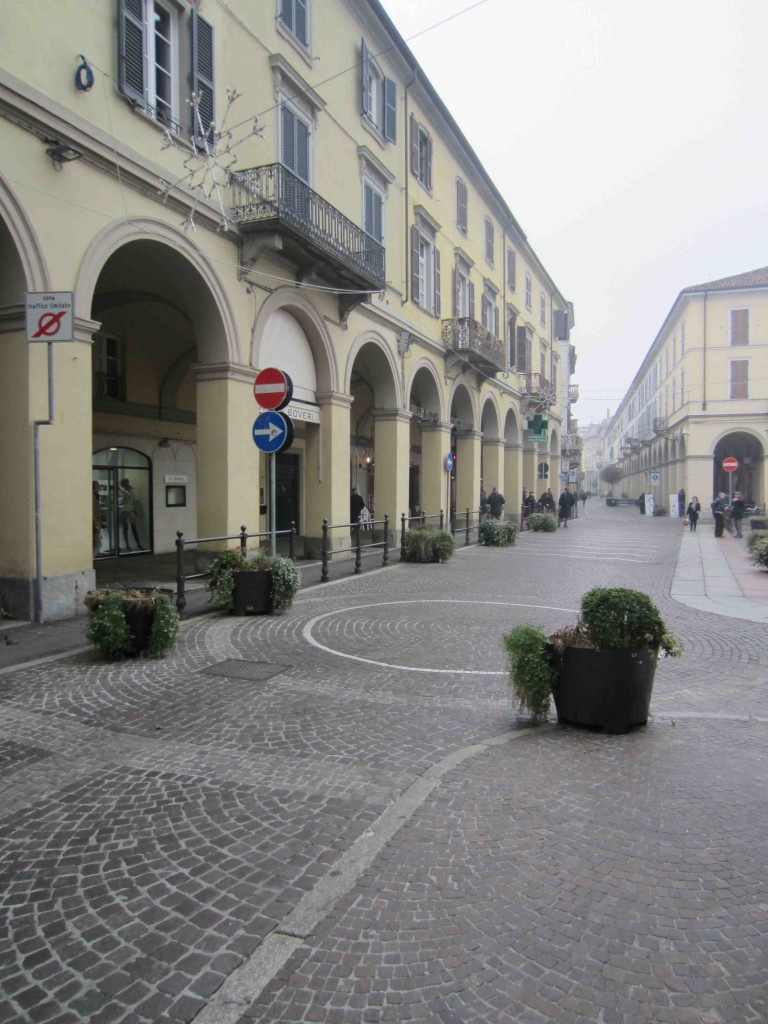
[536,385]
[425,415]
[478,346]
[573,392]
[573,442]
[660,425]
[272,197]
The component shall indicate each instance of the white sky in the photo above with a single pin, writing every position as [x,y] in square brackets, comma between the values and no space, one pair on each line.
[630,141]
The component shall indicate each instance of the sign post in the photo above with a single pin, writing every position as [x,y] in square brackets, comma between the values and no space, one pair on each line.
[730,465]
[272,432]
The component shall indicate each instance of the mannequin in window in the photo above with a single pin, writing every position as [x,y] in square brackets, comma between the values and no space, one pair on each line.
[127,504]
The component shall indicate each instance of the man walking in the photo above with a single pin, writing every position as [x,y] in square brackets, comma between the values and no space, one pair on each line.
[564,504]
[718,511]
[737,512]
[496,503]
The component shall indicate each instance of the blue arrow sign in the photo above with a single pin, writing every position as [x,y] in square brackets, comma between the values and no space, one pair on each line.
[272,432]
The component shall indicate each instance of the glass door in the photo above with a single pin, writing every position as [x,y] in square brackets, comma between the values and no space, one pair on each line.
[124,479]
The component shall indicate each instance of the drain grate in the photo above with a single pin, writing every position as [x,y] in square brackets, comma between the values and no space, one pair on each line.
[254,671]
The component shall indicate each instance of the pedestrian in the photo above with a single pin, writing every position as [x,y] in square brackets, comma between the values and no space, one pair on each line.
[737,511]
[641,504]
[681,502]
[564,504]
[692,513]
[718,511]
[496,503]
[583,497]
[483,498]
[529,506]
[547,501]
[356,506]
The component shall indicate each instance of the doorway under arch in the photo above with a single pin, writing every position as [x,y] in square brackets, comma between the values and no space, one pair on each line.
[124,476]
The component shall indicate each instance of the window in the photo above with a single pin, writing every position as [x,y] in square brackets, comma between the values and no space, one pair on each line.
[461,206]
[739,378]
[421,153]
[150,58]
[489,240]
[739,326]
[542,310]
[425,272]
[528,292]
[379,97]
[373,207]
[490,311]
[543,353]
[294,142]
[511,269]
[293,16]
[511,335]
[464,292]
[108,361]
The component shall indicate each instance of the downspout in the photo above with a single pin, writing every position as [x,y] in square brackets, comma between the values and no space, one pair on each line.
[704,360]
[406,133]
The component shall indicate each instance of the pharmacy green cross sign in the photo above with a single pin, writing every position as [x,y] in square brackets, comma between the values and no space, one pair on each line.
[538,427]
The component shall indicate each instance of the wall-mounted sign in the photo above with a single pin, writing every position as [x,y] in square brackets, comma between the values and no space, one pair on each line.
[49,316]
[174,478]
[302,413]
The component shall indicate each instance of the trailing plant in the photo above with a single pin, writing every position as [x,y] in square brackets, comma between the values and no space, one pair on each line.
[443,545]
[165,628]
[542,522]
[496,534]
[531,673]
[107,629]
[286,579]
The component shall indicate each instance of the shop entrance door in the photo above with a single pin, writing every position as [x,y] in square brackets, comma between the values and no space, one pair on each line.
[287,491]
[124,477]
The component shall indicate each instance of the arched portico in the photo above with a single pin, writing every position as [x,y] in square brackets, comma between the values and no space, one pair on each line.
[492,446]
[513,462]
[430,442]
[465,446]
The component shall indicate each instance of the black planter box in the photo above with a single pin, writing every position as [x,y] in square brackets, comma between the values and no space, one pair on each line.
[253,592]
[608,690]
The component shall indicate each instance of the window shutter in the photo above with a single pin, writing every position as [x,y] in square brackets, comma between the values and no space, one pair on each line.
[455,289]
[511,269]
[366,68]
[461,205]
[428,178]
[522,351]
[131,56]
[302,150]
[300,27]
[437,281]
[368,209]
[415,264]
[390,110]
[288,137]
[495,321]
[202,72]
[414,146]
[471,301]
[286,13]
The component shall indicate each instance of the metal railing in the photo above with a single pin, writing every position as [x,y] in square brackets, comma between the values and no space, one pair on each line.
[418,520]
[243,537]
[463,334]
[473,519]
[358,547]
[573,392]
[533,383]
[273,193]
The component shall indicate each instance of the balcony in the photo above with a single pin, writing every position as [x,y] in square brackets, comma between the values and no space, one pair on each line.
[573,443]
[292,220]
[474,344]
[573,392]
[535,386]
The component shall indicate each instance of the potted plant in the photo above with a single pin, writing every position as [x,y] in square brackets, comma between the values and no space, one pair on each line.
[124,624]
[496,534]
[258,585]
[423,545]
[757,542]
[599,671]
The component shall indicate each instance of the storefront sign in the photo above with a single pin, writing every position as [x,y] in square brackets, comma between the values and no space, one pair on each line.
[171,478]
[302,413]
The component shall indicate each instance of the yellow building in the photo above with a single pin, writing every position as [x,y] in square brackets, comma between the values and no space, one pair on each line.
[330,220]
[700,398]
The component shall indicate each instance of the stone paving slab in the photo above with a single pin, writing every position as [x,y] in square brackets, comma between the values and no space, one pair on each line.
[337,815]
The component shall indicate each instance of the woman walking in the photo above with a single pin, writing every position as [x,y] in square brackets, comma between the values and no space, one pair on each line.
[692,512]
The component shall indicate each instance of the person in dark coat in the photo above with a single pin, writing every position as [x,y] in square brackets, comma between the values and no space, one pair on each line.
[356,506]
[547,501]
[718,511]
[564,505]
[692,513]
[737,511]
[496,503]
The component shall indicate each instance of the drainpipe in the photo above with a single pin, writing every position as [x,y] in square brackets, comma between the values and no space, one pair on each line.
[38,500]
[704,359]
[406,130]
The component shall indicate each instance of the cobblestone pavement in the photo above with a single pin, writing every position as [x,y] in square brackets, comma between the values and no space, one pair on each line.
[335,815]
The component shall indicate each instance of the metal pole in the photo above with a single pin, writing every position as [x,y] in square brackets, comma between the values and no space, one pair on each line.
[273,501]
[181,600]
[38,526]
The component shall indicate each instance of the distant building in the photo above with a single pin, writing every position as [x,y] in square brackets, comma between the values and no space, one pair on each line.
[700,397]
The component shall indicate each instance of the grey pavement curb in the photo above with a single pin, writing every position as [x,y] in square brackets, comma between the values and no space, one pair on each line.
[246,983]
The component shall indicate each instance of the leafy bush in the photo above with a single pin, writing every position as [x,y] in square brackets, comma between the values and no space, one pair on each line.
[617,618]
[418,545]
[112,616]
[165,628]
[443,544]
[286,579]
[756,537]
[531,674]
[496,534]
[542,522]
[107,629]
[759,551]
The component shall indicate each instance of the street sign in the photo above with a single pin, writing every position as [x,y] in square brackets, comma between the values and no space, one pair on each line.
[573,474]
[272,388]
[49,316]
[655,477]
[730,465]
[272,432]
[448,462]
[543,470]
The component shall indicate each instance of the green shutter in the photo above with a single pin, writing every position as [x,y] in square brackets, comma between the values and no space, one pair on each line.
[202,71]
[131,53]
[390,110]
[300,24]
[365,64]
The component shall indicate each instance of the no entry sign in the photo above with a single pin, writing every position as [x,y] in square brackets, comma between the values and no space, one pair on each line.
[730,465]
[272,389]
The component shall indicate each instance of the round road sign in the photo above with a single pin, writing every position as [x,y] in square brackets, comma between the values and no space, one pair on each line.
[272,432]
[449,462]
[730,465]
[273,389]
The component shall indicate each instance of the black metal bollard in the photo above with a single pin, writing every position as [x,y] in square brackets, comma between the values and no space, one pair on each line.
[358,552]
[466,535]
[402,537]
[292,542]
[324,553]
[386,540]
[181,599]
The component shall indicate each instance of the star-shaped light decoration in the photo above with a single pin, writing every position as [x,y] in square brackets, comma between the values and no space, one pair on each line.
[210,159]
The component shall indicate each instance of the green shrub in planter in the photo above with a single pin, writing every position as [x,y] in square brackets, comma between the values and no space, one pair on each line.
[418,545]
[496,534]
[443,545]
[542,522]
[759,550]
[131,622]
[756,537]
[531,675]
[286,579]
[108,630]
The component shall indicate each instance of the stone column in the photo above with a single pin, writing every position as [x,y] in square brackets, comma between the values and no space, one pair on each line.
[513,486]
[493,473]
[468,470]
[392,441]
[531,469]
[327,474]
[435,445]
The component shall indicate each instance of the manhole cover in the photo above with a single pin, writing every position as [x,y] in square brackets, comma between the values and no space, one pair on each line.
[255,671]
